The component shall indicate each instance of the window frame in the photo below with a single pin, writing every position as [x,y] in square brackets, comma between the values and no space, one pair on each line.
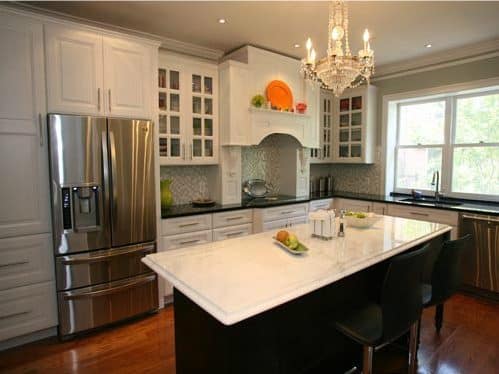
[449,145]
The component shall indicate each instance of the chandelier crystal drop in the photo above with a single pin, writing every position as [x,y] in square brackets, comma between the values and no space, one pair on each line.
[339,69]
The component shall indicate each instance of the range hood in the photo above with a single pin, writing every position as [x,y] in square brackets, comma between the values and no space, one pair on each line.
[246,73]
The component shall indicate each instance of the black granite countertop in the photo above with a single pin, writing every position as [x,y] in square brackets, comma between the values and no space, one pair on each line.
[471,206]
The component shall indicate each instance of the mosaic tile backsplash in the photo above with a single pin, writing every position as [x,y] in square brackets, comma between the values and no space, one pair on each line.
[188,182]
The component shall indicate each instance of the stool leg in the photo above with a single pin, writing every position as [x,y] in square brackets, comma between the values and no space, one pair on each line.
[367,360]
[439,317]
[413,348]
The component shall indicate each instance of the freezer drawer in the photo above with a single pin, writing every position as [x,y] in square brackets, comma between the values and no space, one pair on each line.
[97,267]
[91,307]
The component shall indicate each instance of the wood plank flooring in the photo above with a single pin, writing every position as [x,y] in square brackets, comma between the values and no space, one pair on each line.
[468,343]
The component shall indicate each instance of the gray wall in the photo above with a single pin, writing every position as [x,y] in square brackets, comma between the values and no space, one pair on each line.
[366,178]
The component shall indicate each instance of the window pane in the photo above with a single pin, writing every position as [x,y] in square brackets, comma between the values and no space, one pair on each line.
[476,170]
[477,119]
[415,167]
[422,123]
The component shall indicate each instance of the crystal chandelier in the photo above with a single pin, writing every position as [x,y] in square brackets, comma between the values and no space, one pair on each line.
[339,69]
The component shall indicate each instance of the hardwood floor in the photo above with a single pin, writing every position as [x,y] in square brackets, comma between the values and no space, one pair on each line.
[468,343]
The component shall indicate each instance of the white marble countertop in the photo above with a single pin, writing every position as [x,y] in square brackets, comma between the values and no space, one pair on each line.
[238,278]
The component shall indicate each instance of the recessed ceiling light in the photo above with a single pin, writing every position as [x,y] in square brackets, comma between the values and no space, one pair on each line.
[296,45]
[428,45]
[222,20]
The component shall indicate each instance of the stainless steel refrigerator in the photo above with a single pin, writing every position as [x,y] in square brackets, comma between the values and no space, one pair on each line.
[104,221]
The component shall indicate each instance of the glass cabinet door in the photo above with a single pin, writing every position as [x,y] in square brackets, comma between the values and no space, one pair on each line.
[203,104]
[350,133]
[169,119]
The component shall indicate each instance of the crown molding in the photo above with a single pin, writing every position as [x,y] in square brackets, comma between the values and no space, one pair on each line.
[451,57]
[165,43]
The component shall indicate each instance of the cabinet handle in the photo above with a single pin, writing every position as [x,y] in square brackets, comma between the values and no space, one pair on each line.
[191,151]
[189,242]
[109,99]
[14,263]
[234,233]
[183,151]
[490,219]
[233,218]
[40,128]
[98,99]
[288,212]
[419,214]
[14,314]
[189,224]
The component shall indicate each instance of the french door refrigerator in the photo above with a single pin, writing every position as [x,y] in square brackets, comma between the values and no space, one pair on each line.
[104,222]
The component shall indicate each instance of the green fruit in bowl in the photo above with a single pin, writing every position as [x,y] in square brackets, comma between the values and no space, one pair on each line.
[292,242]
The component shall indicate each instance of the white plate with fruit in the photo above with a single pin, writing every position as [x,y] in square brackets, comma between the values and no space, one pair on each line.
[289,242]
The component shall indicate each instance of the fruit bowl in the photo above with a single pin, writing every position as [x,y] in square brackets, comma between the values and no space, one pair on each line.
[361,220]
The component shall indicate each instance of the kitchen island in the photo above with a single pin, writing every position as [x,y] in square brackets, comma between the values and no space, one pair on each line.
[247,305]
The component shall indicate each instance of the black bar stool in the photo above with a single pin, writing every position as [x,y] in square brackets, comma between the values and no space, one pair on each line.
[399,310]
[445,277]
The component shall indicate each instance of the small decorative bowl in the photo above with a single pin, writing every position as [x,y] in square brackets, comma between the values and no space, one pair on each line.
[361,223]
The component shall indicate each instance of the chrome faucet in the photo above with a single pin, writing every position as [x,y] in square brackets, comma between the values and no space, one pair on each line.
[435,181]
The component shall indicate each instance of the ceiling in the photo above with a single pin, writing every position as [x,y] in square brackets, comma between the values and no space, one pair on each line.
[400,29]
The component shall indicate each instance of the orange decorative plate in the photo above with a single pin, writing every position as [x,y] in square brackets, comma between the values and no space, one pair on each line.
[279,95]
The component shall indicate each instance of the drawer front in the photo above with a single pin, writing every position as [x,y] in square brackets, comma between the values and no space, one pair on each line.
[232,232]
[173,226]
[186,240]
[90,307]
[284,223]
[26,260]
[285,212]
[424,214]
[321,204]
[24,310]
[236,217]
[97,267]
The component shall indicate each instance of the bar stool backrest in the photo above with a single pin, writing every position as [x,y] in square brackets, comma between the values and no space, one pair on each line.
[401,302]
[446,273]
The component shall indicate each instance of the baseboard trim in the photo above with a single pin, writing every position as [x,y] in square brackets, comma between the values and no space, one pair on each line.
[28,338]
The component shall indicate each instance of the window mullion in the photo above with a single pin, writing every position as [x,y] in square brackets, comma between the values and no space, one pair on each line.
[447,150]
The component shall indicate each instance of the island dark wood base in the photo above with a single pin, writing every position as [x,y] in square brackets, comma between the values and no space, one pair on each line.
[296,337]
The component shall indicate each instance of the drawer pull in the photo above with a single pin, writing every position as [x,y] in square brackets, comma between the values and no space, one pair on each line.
[490,219]
[108,291]
[234,218]
[15,314]
[188,224]
[419,214]
[189,241]
[230,234]
[14,263]
[288,212]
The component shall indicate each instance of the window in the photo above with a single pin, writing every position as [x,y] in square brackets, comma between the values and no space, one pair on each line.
[455,134]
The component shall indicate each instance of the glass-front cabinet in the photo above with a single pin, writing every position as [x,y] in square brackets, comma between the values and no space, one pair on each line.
[324,154]
[355,126]
[187,111]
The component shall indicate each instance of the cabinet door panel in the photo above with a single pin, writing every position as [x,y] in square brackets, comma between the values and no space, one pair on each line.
[24,194]
[74,70]
[127,78]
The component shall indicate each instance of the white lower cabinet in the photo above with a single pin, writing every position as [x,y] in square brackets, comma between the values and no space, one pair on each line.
[352,205]
[27,309]
[379,208]
[324,204]
[285,216]
[230,232]
[426,214]
[187,239]
[26,260]
[173,226]
[232,218]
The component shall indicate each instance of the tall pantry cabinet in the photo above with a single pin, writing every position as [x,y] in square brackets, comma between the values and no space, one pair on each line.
[27,287]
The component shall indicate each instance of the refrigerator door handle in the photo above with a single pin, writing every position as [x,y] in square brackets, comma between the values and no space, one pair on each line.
[105,173]
[114,202]
[109,256]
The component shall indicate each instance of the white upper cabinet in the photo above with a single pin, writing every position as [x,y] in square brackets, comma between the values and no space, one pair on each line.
[324,154]
[74,70]
[127,78]
[90,73]
[354,137]
[24,191]
[187,102]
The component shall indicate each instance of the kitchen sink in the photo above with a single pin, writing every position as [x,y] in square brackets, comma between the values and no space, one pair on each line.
[432,201]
